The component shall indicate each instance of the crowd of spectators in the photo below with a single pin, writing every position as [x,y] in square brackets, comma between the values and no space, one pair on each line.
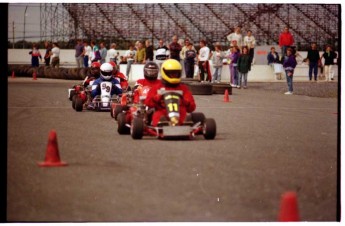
[196,63]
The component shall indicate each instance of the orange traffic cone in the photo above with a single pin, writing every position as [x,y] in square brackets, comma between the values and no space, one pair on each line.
[288,207]
[226,96]
[52,154]
[34,76]
[13,75]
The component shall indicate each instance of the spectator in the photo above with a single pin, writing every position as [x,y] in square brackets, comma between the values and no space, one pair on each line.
[140,54]
[273,60]
[189,60]
[217,61]
[203,57]
[87,54]
[233,56]
[103,51]
[313,58]
[129,55]
[148,51]
[162,53]
[113,53]
[289,67]
[35,54]
[329,55]
[79,49]
[175,49]
[249,41]
[273,56]
[235,38]
[285,40]
[243,67]
[48,53]
[183,54]
[55,55]
[95,54]
[122,60]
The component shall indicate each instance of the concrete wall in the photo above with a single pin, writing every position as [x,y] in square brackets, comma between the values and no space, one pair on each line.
[261,72]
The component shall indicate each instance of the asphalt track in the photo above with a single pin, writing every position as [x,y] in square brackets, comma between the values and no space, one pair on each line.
[267,143]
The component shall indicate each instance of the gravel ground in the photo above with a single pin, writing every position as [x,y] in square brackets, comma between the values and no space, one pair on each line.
[312,89]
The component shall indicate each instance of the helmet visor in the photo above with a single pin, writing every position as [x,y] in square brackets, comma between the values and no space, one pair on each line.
[151,72]
[106,73]
[173,73]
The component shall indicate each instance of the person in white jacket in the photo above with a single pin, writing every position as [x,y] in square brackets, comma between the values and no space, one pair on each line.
[249,41]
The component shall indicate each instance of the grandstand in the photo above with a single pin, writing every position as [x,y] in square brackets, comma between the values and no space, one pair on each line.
[213,22]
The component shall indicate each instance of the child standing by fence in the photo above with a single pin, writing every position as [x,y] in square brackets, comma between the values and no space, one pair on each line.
[217,61]
[243,67]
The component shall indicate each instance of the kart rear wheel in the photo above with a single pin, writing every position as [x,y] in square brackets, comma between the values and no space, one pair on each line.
[121,124]
[73,101]
[137,128]
[78,104]
[210,129]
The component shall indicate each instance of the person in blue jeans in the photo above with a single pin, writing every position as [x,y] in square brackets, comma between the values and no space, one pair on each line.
[313,57]
[289,65]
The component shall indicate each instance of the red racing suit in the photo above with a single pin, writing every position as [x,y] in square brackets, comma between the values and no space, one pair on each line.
[144,82]
[122,79]
[154,100]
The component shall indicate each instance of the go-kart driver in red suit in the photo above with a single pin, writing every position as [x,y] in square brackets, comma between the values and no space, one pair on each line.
[106,75]
[95,70]
[120,76]
[151,70]
[171,80]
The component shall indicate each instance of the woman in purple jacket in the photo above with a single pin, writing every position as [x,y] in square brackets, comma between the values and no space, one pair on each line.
[289,67]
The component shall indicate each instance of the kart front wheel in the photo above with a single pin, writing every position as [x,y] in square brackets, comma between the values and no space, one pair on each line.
[121,124]
[78,104]
[137,128]
[71,94]
[117,110]
[210,129]
[73,101]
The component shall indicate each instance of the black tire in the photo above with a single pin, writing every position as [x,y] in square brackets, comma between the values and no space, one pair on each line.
[121,124]
[117,110]
[73,101]
[137,129]
[220,88]
[71,94]
[78,104]
[198,88]
[210,129]
[198,117]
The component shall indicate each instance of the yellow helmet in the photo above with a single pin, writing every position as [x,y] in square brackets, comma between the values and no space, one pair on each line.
[171,71]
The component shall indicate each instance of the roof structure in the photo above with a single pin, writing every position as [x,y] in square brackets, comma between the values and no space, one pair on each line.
[318,23]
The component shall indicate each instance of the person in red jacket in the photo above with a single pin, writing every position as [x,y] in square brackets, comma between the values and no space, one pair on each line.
[285,40]
[171,80]
[150,79]
[95,73]
[123,80]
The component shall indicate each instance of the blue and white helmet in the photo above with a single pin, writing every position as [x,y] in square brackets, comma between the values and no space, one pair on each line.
[106,71]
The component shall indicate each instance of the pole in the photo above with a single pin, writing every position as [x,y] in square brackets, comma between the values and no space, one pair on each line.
[13,35]
[24,25]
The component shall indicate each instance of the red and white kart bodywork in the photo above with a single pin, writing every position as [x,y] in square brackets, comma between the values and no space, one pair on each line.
[137,120]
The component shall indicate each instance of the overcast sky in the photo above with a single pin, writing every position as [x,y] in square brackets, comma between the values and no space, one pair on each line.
[32,21]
